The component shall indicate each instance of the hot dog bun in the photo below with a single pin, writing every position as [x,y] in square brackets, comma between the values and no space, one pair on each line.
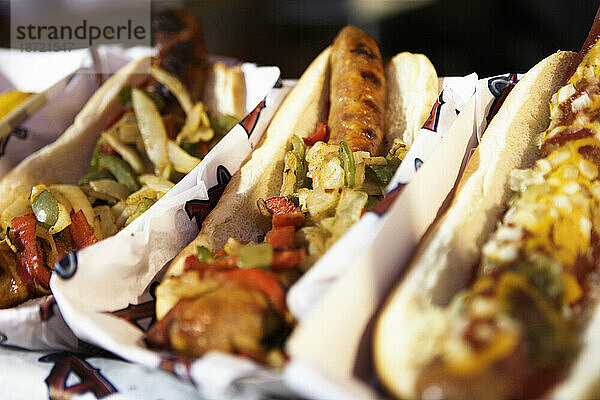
[236,214]
[402,119]
[408,329]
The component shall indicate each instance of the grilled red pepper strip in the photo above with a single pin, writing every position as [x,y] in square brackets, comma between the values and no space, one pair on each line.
[115,118]
[108,150]
[287,259]
[295,219]
[319,136]
[281,238]
[254,278]
[251,278]
[280,205]
[31,259]
[81,231]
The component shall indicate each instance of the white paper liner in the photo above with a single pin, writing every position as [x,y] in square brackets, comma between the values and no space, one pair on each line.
[38,325]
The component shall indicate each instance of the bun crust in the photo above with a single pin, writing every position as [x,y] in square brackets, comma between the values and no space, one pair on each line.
[409,325]
[407,110]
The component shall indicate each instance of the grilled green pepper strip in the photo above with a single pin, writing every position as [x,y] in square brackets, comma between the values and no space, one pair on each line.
[204,255]
[142,207]
[96,175]
[382,174]
[45,209]
[221,124]
[372,201]
[256,255]
[347,159]
[298,150]
[95,157]
[120,169]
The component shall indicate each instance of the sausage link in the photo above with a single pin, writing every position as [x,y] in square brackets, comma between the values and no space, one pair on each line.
[357,94]
[179,39]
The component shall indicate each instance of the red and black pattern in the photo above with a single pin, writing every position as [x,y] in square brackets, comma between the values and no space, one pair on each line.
[434,116]
[500,87]
[47,309]
[199,209]
[90,378]
[249,122]
[384,205]
[136,313]
[178,365]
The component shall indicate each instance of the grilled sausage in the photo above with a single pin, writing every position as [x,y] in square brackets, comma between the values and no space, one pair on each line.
[227,319]
[179,39]
[357,94]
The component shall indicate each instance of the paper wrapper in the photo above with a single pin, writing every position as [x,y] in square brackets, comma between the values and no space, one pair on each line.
[331,348]
[37,324]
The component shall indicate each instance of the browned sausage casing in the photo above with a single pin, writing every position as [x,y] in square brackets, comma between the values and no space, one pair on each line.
[357,94]
[179,39]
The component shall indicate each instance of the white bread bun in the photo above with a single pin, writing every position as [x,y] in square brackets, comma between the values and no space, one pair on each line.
[236,214]
[407,111]
[225,90]
[412,322]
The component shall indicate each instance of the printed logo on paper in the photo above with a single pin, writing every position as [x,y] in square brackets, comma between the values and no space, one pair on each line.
[19,133]
[384,205]
[250,121]
[418,163]
[47,309]
[178,365]
[67,266]
[141,315]
[434,116]
[500,87]
[137,313]
[90,378]
[199,209]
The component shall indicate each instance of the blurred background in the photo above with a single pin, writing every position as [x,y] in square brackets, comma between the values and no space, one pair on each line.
[459,36]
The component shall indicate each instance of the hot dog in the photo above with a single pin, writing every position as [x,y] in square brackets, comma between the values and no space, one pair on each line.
[500,301]
[139,133]
[301,189]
